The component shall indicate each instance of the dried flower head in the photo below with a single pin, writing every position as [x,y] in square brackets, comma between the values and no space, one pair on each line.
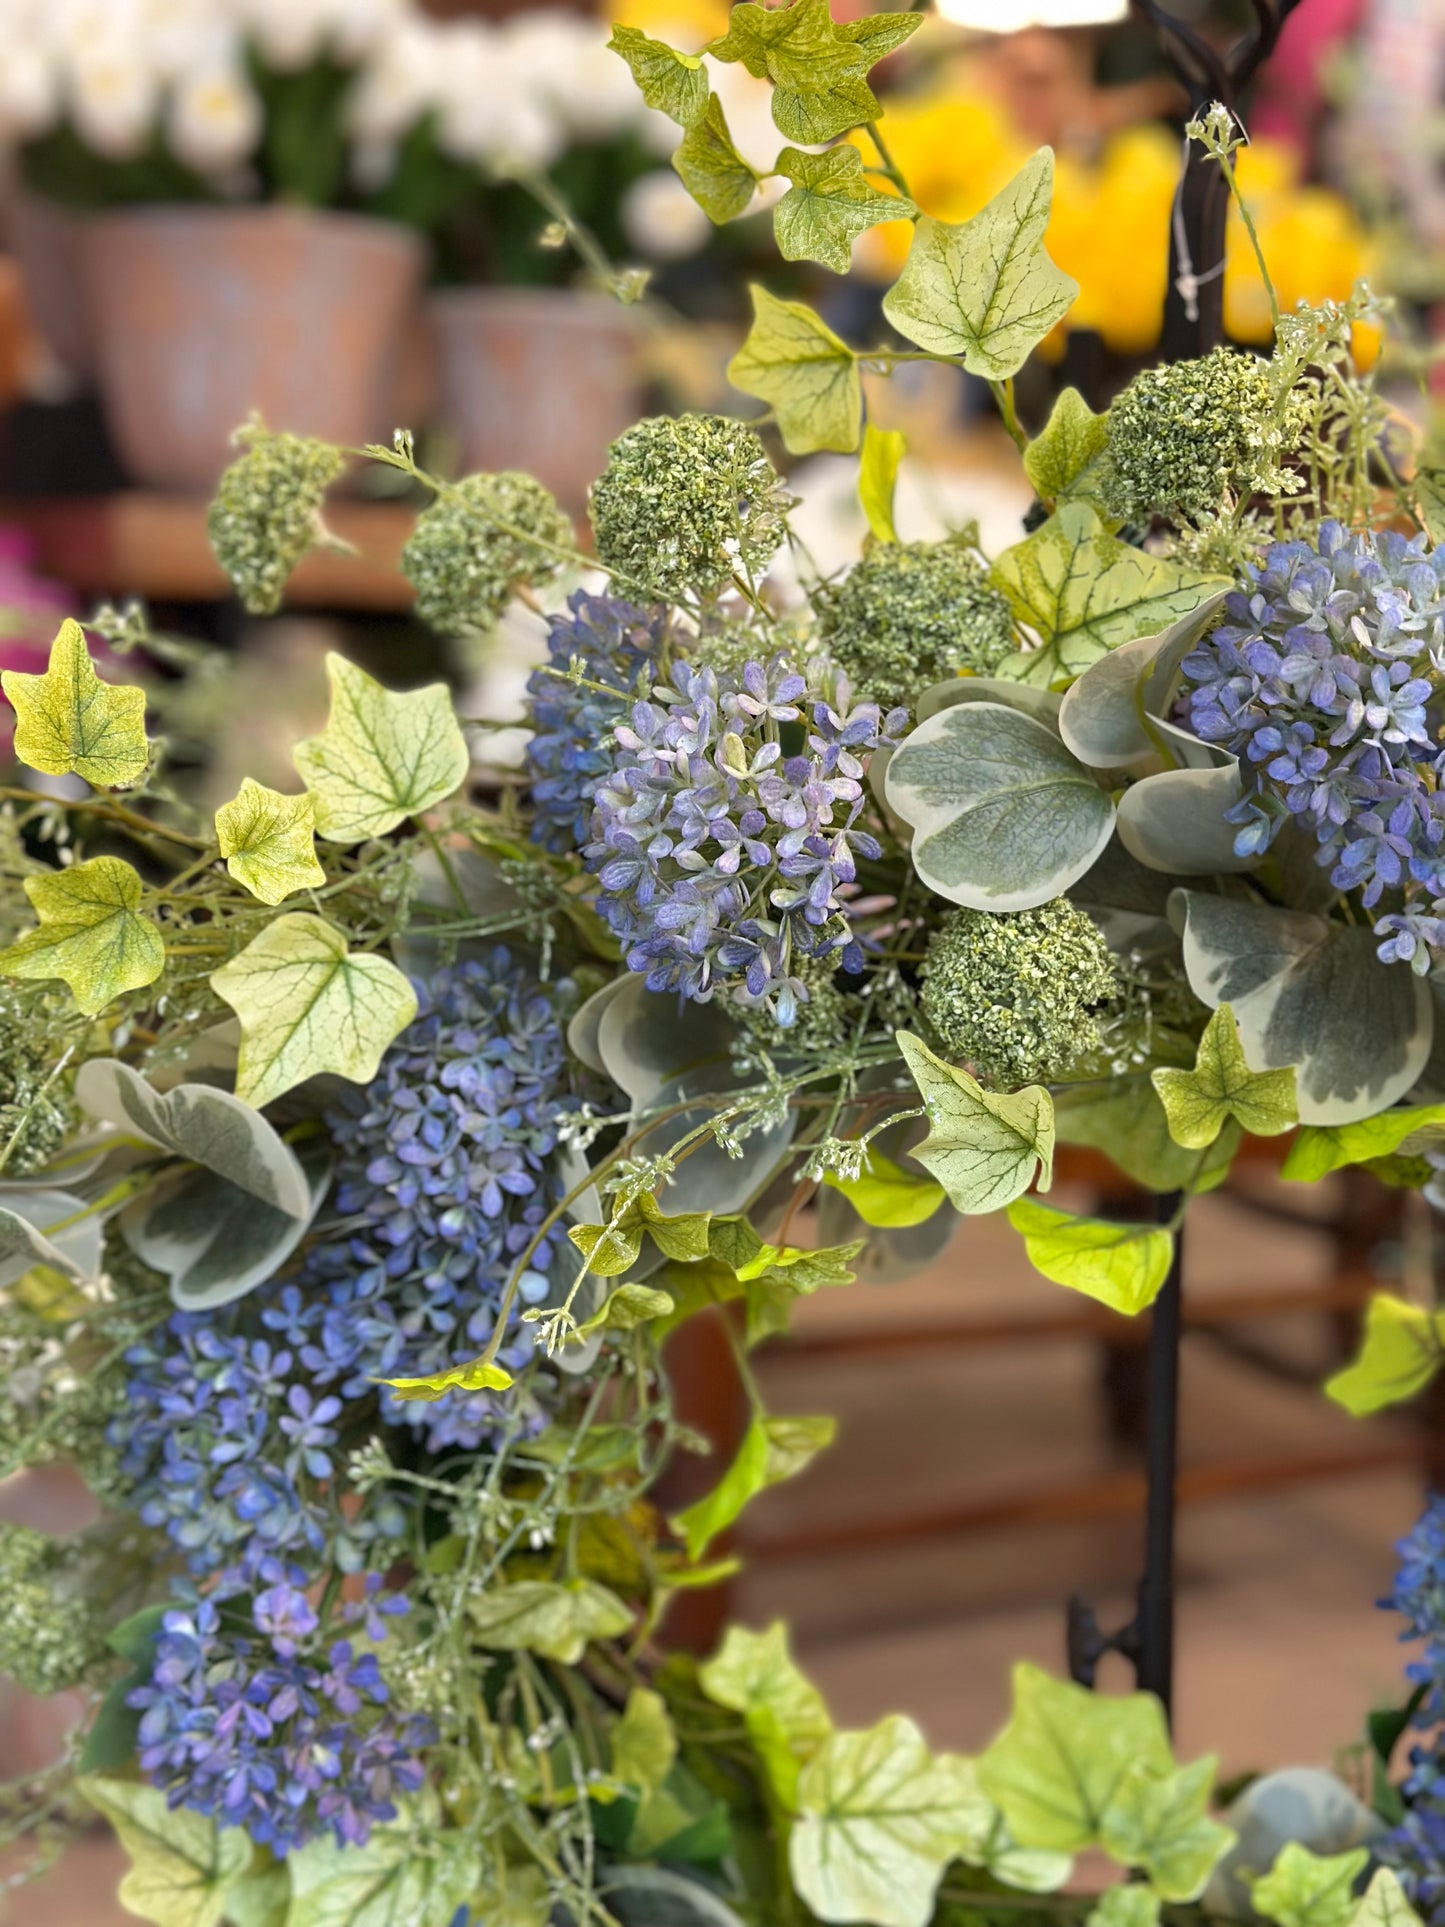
[50,1633]
[267,511]
[480,537]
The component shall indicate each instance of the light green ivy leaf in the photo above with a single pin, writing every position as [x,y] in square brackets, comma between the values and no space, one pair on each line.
[883,452]
[260,1898]
[985,1150]
[308,1005]
[70,723]
[1385,1903]
[818,70]
[1057,458]
[1221,1087]
[986,291]
[831,202]
[1123,1118]
[644,1744]
[1304,1889]
[1123,1266]
[400,1878]
[181,1862]
[1322,1148]
[674,83]
[609,1249]
[773,1449]
[754,1674]
[559,1621]
[711,168]
[91,933]
[625,1309]
[884,1194]
[1132,1905]
[268,842]
[382,757]
[477,1375]
[1403,1349]
[1160,1822]
[808,376]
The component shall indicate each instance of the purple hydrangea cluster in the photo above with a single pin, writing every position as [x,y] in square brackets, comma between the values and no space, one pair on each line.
[263,1720]
[724,833]
[614,649]
[1321,681]
[1416,1847]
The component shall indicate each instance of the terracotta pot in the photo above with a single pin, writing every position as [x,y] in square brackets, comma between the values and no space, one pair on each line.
[46,240]
[199,315]
[540,379]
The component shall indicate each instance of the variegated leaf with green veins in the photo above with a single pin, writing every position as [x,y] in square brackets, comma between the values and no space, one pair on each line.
[385,1883]
[70,723]
[674,83]
[985,1150]
[806,374]
[477,1375]
[1221,1087]
[1132,1905]
[644,1743]
[774,1448]
[818,69]
[382,756]
[181,1862]
[1403,1349]
[559,1621]
[884,1194]
[1058,457]
[830,203]
[92,933]
[1083,593]
[986,291]
[1160,1822]
[268,841]
[1322,1148]
[711,168]
[878,465]
[787,1720]
[1003,816]
[625,1309]
[1123,1266]
[307,1005]
[1304,1889]
[1385,1903]
[610,1249]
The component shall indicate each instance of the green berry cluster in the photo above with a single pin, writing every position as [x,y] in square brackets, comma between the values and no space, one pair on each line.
[911,614]
[1016,995]
[50,1638]
[267,511]
[477,541]
[36,1113]
[685,504]
[1184,439]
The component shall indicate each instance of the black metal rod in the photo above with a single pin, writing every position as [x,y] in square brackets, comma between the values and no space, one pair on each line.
[1154,1645]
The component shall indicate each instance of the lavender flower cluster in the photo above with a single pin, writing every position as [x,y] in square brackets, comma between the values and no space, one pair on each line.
[1321,681]
[724,833]
[1415,1848]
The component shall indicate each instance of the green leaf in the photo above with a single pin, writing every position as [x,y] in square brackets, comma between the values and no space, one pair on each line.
[711,168]
[557,1621]
[110,1743]
[1385,1904]
[608,1248]
[38,1228]
[260,1898]
[644,1744]
[879,34]
[831,202]
[1122,1265]
[1221,1087]
[1057,1767]
[984,1150]
[91,933]
[1160,1822]
[1303,1889]
[308,1005]
[1125,1906]
[986,291]
[1004,817]
[879,1819]
[1072,437]
[626,1308]
[181,1862]
[1403,1349]
[268,842]
[684,1237]
[400,1878]
[70,723]
[754,1674]
[773,1449]
[1430,501]
[1083,593]
[808,376]
[382,757]
[1123,1118]
[813,115]
[886,1194]
[675,83]
[1322,1148]
[817,70]
[478,1375]
[883,452]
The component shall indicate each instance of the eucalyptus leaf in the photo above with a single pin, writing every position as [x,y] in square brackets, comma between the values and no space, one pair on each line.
[53,1228]
[883,452]
[92,933]
[646,1040]
[181,1862]
[382,757]
[1042,704]
[661,1897]
[794,362]
[1070,440]
[1123,1266]
[830,203]
[1110,717]
[711,168]
[70,723]
[558,1621]
[1175,822]
[985,1150]
[1403,1349]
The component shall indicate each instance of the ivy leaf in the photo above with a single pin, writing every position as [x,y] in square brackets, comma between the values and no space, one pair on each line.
[91,933]
[1125,1906]
[609,1248]
[307,1005]
[1221,1087]
[1124,1119]
[644,1744]
[808,376]
[70,723]
[260,1898]
[1083,593]
[674,83]
[1160,1822]
[883,452]
[831,202]
[773,1449]
[385,1883]
[1123,1266]
[181,1862]
[877,35]
[1059,455]
[267,841]
[887,1195]
[1403,1349]
[477,1375]
[787,1720]
[382,757]
[711,168]
[538,1616]
[1385,1904]
[986,291]
[817,71]
[879,1819]
[1304,1889]
[685,1237]
[1058,1766]
[1322,1148]
[984,1150]
[625,1309]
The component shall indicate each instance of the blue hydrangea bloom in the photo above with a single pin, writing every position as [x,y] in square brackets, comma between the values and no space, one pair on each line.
[1416,1847]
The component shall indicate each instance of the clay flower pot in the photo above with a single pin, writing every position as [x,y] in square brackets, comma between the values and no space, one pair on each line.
[46,240]
[537,378]
[200,315]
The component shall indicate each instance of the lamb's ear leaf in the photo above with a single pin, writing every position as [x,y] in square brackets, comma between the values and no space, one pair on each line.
[1310,994]
[985,1150]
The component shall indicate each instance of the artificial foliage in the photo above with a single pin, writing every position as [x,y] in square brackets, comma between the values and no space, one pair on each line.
[365,1140]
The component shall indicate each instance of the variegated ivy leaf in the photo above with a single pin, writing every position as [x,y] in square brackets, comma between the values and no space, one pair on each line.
[181,1863]
[91,933]
[773,1449]
[1058,457]
[1384,1904]
[1003,816]
[1123,1266]
[1127,1905]
[711,168]
[787,1719]
[984,1149]
[808,376]
[674,83]
[1221,1087]
[986,291]
[831,202]
[818,69]
[382,757]
[477,1375]
[1304,1889]
[1403,1349]
[883,452]
[558,1621]
[70,723]
[625,1309]
[1160,1822]
[1322,1148]
[268,842]
[386,1882]
[308,1005]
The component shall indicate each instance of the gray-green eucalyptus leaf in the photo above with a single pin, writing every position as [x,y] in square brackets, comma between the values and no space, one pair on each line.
[1175,822]
[1041,704]
[1111,716]
[35,1229]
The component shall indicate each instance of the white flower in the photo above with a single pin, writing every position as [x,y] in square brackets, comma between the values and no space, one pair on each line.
[661,219]
[361,27]
[181,36]
[29,90]
[487,112]
[114,96]
[215,119]
[289,34]
[563,62]
[401,81]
